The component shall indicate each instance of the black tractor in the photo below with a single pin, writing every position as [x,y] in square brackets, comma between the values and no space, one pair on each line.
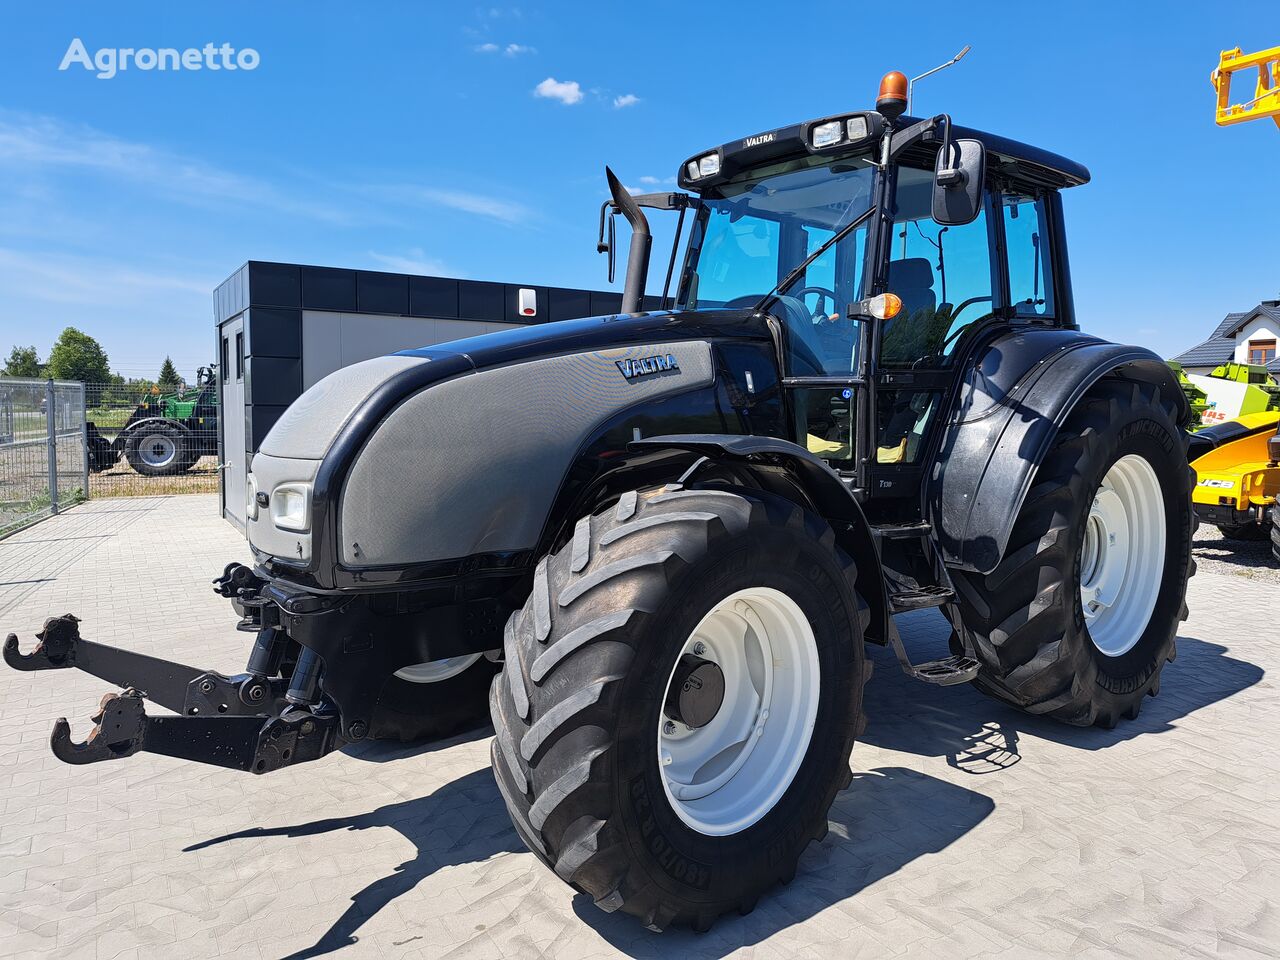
[865,393]
[165,434]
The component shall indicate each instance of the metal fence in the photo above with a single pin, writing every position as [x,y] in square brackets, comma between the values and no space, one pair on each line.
[43,467]
[147,441]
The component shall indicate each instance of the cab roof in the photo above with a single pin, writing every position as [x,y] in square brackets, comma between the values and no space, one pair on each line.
[1020,161]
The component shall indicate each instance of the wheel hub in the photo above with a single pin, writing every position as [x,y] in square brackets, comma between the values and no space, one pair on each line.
[696,692]
[157,449]
[1122,555]
[739,708]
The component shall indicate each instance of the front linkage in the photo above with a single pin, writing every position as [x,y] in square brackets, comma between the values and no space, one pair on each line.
[256,721]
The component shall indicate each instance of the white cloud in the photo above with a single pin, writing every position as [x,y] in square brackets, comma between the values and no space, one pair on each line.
[486,48]
[626,100]
[413,261]
[480,204]
[567,92]
[515,49]
[61,278]
[656,181]
[40,144]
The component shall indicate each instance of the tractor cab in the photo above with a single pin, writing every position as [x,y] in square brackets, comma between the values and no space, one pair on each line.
[885,249]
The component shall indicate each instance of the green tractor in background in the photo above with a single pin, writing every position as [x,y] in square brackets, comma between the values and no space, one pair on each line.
[165,434]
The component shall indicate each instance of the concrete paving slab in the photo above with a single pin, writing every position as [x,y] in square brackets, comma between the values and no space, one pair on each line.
[970,830]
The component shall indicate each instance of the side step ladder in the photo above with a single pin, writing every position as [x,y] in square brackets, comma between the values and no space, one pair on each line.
[906,595]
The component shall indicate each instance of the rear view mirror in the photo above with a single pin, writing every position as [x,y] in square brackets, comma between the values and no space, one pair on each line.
[957,182]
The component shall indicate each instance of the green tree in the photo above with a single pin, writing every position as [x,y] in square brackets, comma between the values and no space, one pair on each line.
[23,362]
[168,374]
[77,356]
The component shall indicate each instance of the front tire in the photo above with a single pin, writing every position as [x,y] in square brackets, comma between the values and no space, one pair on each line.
[1275,531]
[1082,612]
[433,700]
[583,708]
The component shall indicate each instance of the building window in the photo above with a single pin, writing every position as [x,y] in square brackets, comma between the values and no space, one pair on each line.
[240,355]
[1262,351]
[226,360]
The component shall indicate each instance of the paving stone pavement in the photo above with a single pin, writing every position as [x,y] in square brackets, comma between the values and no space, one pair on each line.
[969,830]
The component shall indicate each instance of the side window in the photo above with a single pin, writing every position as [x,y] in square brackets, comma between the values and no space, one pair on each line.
[226,360]
[240,355]
[1026,241]
[942,274]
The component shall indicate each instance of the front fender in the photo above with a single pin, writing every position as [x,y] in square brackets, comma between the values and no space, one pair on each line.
[1014,396]
[803,477]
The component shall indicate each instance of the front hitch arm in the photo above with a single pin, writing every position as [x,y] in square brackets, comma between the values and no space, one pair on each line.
[183,689]
[254,744]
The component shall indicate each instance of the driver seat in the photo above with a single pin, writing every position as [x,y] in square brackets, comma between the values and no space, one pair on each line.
[912,280]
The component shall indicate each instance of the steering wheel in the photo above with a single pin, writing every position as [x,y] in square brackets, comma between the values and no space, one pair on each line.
[824,294]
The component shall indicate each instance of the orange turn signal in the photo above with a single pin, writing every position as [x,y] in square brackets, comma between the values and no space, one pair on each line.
[886,306]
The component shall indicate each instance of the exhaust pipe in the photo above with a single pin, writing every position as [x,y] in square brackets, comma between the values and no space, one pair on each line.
[641,244]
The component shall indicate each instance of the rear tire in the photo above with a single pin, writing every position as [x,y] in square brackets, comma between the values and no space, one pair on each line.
[159,450]
[579,708]
[415,707]
[1275,531]
[1027,617]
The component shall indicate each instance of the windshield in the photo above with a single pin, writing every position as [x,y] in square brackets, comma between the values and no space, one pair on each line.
[754,230]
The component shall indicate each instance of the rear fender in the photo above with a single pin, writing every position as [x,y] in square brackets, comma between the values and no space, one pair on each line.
[1014,396]
[789,470]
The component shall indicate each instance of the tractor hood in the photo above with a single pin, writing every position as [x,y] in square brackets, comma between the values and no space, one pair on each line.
[458,450]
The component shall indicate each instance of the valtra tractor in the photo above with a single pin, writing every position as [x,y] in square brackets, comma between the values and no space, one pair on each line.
[867,393]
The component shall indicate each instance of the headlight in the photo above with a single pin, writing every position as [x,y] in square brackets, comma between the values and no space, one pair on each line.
[707,166]
[825,134]
[857,128]
[251,504]
[291,506]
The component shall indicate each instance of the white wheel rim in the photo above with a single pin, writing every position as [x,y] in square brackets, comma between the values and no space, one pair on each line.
[723,777]
[1122,556]
[157,450]
[437,670]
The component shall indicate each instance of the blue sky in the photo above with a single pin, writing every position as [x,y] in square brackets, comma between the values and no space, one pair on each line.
[411,136]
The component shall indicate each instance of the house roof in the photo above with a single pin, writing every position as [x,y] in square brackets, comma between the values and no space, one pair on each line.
[1268,308]
[1220,348]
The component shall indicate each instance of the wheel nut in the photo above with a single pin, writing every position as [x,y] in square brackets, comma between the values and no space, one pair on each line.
[699,648]
[669,727]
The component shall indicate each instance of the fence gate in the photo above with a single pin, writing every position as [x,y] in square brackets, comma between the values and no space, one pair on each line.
[43,462]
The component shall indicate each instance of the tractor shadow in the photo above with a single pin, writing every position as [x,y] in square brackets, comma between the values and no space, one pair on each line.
[979,735]
[472,802]
[886,818]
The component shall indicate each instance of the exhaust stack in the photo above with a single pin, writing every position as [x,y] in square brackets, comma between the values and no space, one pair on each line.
[641,244]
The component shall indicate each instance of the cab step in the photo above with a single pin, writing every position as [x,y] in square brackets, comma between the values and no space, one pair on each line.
[903,531]
[943,673]
[920,598]
[947,671]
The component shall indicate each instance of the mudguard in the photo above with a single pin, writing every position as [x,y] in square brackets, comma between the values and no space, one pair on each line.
[792,471]
[1014,396]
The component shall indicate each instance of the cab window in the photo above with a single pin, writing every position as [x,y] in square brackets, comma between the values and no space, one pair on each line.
[1026,249]
[943,274]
